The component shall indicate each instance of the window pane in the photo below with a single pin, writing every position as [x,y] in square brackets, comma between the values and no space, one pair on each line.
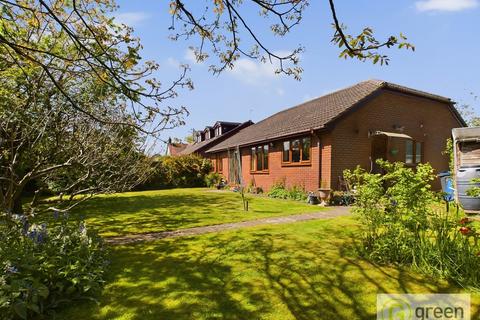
[296,150]
[306,149]
[265,157]
[259,159]
[286,151]
[252,160]
[409,151]
[418,152]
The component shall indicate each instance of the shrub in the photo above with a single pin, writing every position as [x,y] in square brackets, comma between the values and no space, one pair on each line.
[279,191]
[297,193]
[401,225]
[178,172]
[475,190]
[213,179]
[341,198]
[42,267]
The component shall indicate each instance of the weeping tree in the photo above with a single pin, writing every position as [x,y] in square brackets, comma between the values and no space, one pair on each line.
[63,149]
[76,103]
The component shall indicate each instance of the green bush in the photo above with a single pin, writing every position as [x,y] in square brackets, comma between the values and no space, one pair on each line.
[475,190]
[178,172]
[402,225]
[213,179]
[280,191]
[341,198]
[297,193]
[42,267]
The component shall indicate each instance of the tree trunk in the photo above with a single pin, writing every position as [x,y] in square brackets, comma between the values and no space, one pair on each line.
[17,206]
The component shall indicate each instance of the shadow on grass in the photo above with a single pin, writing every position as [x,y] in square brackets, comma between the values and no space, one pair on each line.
[174,209]
[250,275]
[124,214]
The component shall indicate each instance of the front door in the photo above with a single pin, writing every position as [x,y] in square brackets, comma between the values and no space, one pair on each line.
[379,151]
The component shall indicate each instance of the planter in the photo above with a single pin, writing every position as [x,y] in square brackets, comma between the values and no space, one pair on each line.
[312,198]
[469,203]
[324,194]
[256,190]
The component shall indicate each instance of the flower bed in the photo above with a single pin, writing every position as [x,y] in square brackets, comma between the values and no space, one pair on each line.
[403,224]
[42,267]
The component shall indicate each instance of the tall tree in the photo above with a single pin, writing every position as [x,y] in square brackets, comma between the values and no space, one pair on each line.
[43,141]
[79,39]
[64,122]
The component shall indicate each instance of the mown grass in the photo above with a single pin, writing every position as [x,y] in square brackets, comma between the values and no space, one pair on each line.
[155,211]
[305,270]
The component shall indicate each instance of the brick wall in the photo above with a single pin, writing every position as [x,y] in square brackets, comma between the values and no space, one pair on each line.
[326,161]
[306,176]
[424,120]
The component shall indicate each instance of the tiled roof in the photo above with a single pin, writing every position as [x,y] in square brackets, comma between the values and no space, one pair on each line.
[314,114]
[176,148]
[203,145]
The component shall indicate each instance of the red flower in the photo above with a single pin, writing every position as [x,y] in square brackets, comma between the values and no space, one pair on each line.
[464,230]
[464,221]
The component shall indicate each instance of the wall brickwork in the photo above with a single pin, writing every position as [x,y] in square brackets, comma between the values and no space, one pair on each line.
[348,143]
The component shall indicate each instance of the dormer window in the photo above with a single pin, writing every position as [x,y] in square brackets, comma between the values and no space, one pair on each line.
[198,137]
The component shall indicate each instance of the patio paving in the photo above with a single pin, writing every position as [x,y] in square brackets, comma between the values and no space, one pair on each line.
[330,212]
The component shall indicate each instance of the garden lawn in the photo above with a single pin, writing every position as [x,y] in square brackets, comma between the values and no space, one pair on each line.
[165,210]
[305,270]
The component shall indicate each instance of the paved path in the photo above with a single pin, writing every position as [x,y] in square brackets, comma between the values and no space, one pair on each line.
[331,212]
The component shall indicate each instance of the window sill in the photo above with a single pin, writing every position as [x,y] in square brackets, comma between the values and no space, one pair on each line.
[297,164]
[259,172]
[412,164]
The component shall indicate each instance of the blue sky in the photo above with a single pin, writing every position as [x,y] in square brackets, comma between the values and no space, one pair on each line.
[446,60]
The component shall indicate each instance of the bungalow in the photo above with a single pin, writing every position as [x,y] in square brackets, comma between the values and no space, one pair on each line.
[311,144]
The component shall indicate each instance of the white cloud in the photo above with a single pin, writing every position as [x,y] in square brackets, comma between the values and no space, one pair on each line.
[190,56]
[132,19]
[280,91]
[252,72]
[445,5]
[173,62]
